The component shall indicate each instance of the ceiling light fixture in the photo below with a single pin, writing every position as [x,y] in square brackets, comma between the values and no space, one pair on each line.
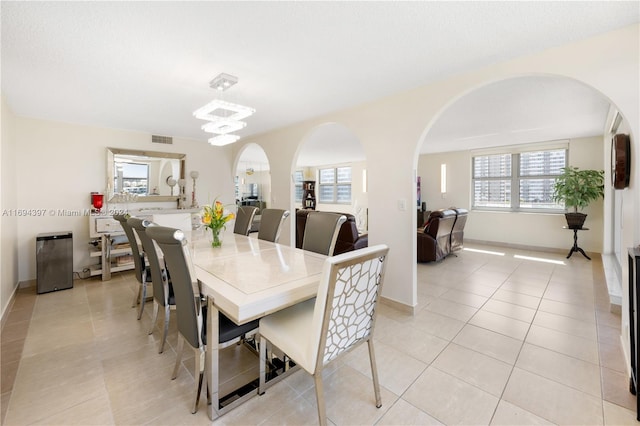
[237,112]
[223,81]
[222,126]
[222,140]
[223,117]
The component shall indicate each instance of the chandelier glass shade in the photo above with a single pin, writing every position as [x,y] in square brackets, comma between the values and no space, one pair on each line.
[222,126]
[222,140]
[212,110]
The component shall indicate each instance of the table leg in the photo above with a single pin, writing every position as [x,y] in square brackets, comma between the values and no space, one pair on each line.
[212,359]
[575,247]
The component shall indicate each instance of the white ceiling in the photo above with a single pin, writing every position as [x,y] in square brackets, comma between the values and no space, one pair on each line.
[146,66]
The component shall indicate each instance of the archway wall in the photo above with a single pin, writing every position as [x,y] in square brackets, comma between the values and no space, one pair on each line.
[392,129]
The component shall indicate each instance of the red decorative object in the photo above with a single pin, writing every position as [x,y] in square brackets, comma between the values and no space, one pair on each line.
[97,201]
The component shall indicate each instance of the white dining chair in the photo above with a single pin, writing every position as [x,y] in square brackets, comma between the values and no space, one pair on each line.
[341,317]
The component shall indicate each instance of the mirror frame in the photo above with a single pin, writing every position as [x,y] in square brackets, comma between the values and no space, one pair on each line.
[111,152]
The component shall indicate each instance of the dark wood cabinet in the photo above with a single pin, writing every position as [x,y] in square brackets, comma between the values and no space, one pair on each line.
[309,194]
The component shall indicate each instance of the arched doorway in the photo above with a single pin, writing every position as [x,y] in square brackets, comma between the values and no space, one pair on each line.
[253,180]
[332,157]
[512,115]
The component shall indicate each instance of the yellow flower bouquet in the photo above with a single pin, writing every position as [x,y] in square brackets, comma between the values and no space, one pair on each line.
[215,219]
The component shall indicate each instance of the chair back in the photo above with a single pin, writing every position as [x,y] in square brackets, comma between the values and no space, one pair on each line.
[346,304]
[321,232]
[440,227]
[174,245]
[457,233]
[158,273]
[271,221]
[244,219]
[138,258]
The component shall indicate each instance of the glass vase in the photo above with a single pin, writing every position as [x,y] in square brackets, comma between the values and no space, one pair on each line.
[216,237]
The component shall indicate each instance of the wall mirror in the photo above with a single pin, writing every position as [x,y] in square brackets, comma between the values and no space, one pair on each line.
[149,175]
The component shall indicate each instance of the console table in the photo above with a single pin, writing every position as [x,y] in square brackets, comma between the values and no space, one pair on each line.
[634,320]
[575,247]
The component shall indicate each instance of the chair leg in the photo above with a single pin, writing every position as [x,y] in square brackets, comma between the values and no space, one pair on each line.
[374,373]
[179,350]
[322,413]
[143,298]
[165,330]
[136,298]
[263,365]
[206,379]
[154,317]
[200,353]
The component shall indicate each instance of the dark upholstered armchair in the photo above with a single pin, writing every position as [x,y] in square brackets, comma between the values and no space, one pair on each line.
[348,238]
[434,243]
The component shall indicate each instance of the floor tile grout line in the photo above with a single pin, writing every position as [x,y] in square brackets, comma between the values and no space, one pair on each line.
[515,362]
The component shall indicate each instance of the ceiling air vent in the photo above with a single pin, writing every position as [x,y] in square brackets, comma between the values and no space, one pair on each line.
[161,139]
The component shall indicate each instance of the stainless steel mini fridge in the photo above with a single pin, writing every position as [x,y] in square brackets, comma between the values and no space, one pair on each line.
[54,258]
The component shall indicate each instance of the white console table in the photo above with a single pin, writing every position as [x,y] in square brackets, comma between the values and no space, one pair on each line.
[103,229]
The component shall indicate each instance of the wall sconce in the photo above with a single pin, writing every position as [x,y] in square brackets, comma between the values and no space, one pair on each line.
[308,174]
[364,180]
[443,178]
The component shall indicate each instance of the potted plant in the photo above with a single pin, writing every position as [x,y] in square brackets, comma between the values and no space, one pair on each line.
[578,188]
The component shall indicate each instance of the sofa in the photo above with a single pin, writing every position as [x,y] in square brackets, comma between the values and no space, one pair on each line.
[442,235]
[434,241]
[348,237]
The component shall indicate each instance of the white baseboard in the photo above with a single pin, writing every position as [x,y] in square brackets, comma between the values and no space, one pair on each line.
[411,310]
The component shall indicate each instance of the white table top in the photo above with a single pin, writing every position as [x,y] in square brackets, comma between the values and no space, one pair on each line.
[249,278]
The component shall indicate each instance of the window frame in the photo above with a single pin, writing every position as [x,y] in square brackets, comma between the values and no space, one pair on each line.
[516,177]
[334,185]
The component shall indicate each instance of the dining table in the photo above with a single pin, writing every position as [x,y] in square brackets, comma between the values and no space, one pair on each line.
[247,278]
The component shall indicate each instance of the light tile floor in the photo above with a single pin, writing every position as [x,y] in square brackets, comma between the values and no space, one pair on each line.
[496,339]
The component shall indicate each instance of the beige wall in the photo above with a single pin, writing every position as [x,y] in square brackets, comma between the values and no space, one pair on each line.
[391,130]
[59,164]
[539,230]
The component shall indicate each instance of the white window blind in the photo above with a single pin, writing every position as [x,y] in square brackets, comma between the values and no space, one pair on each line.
[517,180]
[335,185]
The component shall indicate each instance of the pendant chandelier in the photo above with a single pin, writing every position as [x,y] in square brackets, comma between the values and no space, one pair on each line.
[223,118]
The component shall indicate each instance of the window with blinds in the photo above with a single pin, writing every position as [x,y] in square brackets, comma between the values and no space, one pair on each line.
[517,181]
[334,185]
[297,182]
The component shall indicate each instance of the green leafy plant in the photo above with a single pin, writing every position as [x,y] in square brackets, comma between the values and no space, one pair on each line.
[578,188]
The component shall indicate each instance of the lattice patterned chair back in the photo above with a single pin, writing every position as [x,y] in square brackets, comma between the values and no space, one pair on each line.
[344,314]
